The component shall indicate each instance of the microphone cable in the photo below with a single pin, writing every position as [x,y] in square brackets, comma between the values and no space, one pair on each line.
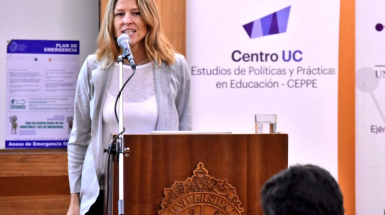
[120,92]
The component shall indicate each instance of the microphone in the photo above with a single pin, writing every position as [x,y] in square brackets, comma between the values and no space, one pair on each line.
[124,42]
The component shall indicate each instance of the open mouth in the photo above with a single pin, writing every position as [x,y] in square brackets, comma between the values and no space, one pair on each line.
[129,32]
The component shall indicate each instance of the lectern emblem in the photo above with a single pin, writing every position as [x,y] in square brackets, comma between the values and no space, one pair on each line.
[201,194]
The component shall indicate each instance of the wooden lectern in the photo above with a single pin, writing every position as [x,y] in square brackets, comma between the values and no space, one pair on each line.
[155,162]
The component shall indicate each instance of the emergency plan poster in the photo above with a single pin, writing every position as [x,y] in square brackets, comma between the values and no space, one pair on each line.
[41,80]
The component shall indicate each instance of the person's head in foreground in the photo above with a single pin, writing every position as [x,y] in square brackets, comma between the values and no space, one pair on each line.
[302,190]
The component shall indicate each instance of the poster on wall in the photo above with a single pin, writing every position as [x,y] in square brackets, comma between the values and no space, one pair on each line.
[41,80]
[267,57]
[370,107]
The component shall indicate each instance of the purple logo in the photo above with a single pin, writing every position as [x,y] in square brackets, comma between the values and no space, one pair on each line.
[275,23]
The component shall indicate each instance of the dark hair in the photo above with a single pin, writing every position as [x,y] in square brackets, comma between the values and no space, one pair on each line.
[307,190]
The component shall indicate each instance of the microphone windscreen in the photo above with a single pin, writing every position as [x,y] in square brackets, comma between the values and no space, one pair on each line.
[122,38]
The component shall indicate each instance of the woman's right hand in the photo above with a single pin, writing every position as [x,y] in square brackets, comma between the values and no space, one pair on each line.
[74,208]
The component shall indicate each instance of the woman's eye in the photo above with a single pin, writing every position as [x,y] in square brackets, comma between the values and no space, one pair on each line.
[119,14]
[136,13]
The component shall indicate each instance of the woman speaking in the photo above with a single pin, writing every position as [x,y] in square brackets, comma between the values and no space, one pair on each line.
[156,98]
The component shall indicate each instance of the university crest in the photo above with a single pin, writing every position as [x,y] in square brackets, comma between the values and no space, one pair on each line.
[201,194]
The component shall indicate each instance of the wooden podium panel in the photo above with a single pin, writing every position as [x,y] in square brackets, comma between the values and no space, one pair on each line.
[156,161]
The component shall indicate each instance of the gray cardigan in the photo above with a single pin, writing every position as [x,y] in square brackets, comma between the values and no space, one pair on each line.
[85,151]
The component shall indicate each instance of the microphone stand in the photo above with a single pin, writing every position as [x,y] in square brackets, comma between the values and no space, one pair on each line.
[120,144]
[117,146]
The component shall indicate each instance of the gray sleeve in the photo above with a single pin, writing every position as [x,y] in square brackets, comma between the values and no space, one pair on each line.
[81,131]
[182,100]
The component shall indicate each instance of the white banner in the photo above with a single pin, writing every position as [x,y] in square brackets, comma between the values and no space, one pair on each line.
[254,57]
[370,107]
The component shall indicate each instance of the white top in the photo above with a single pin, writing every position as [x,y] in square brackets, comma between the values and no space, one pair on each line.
[139,103]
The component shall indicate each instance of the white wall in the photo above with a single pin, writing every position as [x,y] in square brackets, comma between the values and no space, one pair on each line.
[46,20]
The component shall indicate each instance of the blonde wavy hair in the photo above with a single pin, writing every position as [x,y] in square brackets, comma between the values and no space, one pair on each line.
[158,48]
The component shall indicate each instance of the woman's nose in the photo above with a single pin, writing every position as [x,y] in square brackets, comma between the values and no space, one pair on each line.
[127,19]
